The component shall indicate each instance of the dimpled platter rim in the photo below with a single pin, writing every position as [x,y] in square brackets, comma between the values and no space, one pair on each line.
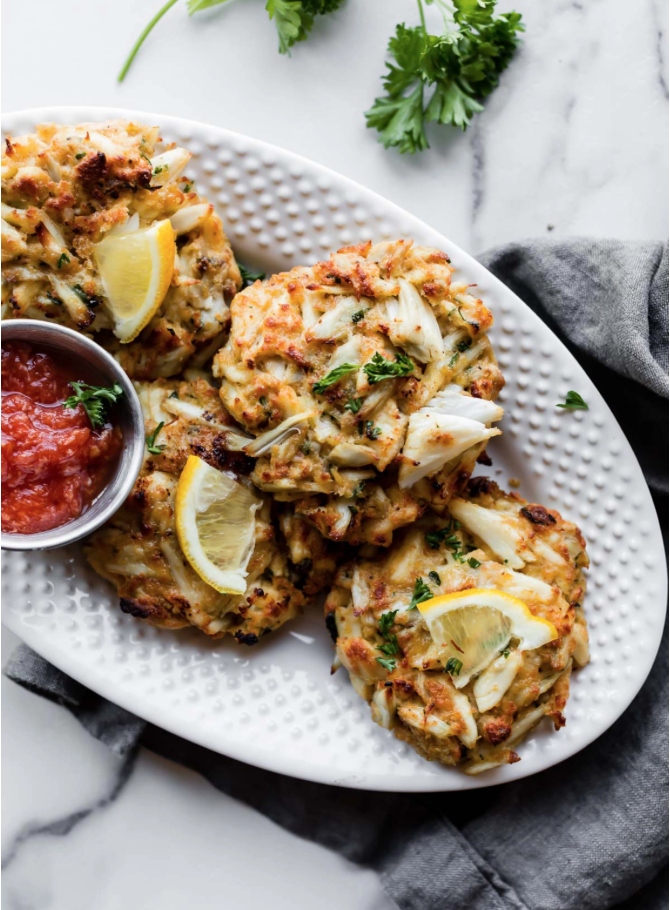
[276,706]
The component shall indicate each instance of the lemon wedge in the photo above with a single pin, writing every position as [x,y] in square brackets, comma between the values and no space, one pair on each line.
[215,519]
[470,628]
[136,270]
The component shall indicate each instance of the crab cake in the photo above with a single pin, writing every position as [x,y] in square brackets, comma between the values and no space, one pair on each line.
[138,549]
[505,550]
[67,188]
[370,379]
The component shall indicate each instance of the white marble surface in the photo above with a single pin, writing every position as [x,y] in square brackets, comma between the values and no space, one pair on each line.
[575,139]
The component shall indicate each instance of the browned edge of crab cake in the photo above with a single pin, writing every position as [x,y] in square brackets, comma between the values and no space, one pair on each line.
[138,550]
[64,188]
[329,364]
[393,663]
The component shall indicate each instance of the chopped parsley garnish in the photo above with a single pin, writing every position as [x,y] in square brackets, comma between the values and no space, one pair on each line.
[354,405]
[356,318]
[460,348]
[187,189]
[475,325]
[386,621]
[380,368]
[333,377]
[390,646]
[248,277]
[446,536]
[505,653]
[574,402]
[453,666]
[81,294]
[306,448]
[473,563]
[421,592]
[80,155]
[62,259]
[371,431]
[435,578]
[94,399]
[159,169]
[151,440]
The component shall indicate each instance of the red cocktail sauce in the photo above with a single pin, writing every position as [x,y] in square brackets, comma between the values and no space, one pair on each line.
[53,463]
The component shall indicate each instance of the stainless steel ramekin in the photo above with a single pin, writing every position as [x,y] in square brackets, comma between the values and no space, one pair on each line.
[128,414]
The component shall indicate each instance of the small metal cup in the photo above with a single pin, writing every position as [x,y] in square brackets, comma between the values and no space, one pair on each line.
[102,370]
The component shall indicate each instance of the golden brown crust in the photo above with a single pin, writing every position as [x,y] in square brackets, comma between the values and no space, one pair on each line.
[138,550]
[63,189]
[412,695]
[391,303]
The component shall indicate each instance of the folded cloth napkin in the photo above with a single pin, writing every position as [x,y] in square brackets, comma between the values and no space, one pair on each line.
[588,834]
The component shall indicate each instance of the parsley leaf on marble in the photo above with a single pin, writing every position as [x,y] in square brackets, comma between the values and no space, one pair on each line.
[442,78]
[293,20]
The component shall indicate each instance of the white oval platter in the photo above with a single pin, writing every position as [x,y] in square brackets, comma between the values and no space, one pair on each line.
[276,705]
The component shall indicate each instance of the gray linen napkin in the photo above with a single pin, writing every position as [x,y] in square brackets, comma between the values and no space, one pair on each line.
[588,834]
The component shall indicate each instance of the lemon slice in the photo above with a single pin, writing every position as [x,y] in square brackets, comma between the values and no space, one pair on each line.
[136,270]
[215,518]
[471,627]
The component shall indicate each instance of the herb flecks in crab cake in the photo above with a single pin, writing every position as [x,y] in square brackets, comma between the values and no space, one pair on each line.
[138,549]
[65,189]
[470,699]
[371,377]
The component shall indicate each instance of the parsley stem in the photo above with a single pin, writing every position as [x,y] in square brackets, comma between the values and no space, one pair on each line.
[140,41]
[423,18]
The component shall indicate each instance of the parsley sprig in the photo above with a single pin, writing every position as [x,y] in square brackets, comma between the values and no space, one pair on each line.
[390,646]
[293,20]
[94,399]
[380,368]
[458,69]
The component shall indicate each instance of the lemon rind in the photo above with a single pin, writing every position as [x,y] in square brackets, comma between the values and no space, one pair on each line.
[487,597]
[223,581]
